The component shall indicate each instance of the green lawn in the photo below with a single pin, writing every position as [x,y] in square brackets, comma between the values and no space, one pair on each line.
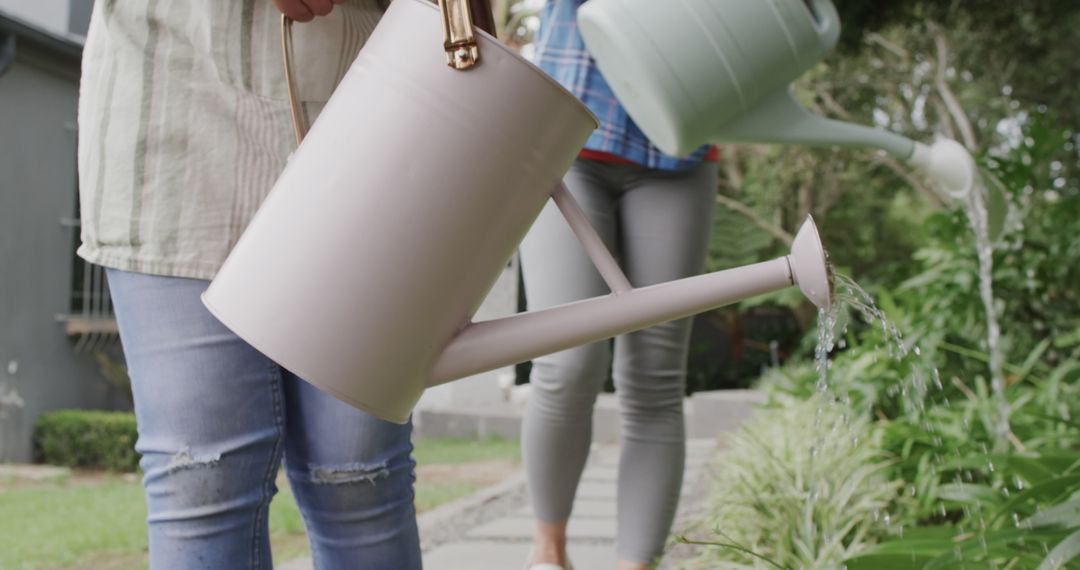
[453,451]
[100,524]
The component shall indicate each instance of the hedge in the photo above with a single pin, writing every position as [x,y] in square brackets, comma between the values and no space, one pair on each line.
[88,438]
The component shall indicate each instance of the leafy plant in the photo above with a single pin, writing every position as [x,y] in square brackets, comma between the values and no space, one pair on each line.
[928,389]
[801,486]
[1036,525]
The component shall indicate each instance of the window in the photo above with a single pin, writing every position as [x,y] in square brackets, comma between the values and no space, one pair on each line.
[90,319]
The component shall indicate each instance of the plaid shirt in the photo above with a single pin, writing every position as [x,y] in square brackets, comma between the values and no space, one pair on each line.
[561,53]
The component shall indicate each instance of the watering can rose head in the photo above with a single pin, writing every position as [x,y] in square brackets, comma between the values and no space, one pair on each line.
[948,164]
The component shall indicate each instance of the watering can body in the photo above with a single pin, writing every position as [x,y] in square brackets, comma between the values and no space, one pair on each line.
[698,71]
[394,217]
[363,267]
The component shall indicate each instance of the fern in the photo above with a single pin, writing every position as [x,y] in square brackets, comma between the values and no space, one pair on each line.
[736,241]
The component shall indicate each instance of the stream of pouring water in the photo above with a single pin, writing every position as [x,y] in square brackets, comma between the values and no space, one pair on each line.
[851,294]
[977,214]
[923,376]
[847,294]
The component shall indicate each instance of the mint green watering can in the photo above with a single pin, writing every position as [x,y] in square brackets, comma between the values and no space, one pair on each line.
[690,72]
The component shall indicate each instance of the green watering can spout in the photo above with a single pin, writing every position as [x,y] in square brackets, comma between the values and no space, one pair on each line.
[779,118]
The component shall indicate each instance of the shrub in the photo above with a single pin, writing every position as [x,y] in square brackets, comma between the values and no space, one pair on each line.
[87,438]
[801,486]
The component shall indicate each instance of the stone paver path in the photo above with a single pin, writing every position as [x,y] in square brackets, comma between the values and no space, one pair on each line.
[493,530]
[503,542]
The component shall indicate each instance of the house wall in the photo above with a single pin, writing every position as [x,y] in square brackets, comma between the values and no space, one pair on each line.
[55,16]
[79,16]
[52,15]
[37,190]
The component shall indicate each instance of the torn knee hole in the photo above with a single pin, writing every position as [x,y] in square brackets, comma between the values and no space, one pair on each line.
[349,474]
[185,459]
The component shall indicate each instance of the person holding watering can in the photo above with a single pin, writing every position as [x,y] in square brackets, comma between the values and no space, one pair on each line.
[184,126]
[655,213]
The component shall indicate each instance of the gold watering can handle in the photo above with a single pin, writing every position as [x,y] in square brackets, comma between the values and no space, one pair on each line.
[459,19]
[299,126]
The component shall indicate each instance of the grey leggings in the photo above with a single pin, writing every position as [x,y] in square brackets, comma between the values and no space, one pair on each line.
[657,223]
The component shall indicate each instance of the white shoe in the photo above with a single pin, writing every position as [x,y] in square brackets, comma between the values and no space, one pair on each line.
[549,566]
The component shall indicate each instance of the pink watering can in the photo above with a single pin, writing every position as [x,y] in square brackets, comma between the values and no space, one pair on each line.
[363,267]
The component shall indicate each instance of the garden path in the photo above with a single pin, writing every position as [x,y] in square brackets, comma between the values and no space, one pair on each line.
[492,529]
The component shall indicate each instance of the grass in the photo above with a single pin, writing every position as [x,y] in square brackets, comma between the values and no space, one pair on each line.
[455,451]
[59,524]
[430,494]
[100,524]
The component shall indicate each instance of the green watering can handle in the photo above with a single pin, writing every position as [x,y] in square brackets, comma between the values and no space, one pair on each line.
[827,23]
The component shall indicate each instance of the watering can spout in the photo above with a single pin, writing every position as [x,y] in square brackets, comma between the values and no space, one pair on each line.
[779,118]
[502,342]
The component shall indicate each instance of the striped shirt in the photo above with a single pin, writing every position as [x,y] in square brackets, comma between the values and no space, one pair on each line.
[184,122]
[560,51]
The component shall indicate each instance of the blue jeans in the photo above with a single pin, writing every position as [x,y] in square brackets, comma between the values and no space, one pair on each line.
[215,418]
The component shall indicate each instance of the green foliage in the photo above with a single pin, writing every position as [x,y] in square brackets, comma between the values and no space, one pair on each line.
[1036,266]
[801,486]
[935,301]
[1035,525]
[87,438]
[993,75]
[871,210]
[736,241]
[1027,45]
[966,506]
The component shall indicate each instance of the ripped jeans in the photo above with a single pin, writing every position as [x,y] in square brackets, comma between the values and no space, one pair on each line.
[215,417]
